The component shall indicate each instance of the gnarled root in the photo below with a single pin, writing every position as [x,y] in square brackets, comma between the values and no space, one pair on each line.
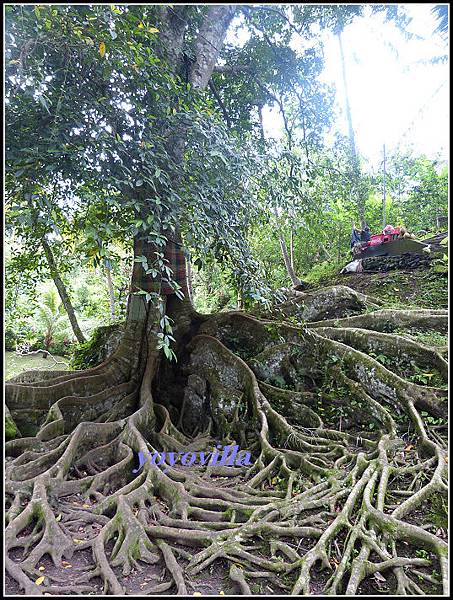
[347,464]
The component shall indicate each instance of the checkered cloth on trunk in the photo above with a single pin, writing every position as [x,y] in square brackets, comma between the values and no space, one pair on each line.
[174,254]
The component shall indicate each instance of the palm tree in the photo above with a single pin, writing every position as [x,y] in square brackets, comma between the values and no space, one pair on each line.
[51,316]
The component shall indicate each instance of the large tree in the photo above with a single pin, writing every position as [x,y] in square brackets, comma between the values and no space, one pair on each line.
[116,98]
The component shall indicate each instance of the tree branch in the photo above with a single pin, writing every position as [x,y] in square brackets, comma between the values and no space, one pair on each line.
[220,102]
[209,43]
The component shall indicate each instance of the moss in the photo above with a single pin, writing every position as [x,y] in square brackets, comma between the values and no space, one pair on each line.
[420,288]
[409,370]
[228,513]
[11,430]
[390,528]
[134,550]
[439,511]
[95,350]
[427,338]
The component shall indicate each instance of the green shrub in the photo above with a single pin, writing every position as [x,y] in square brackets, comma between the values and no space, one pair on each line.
[10,338]
[323,271]
[61,345]
[18,331]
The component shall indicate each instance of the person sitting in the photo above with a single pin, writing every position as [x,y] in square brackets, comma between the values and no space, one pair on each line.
[365,234]
[355,236]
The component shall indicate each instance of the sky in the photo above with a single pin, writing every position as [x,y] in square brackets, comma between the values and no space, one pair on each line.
[396,98]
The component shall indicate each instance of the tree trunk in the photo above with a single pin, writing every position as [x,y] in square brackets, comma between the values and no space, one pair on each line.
[239,301]
[355,158]
[108,276]
[62,292]
[207,47]
[260,116]
[291,247]
[189,279]
[294,279]
[326,253]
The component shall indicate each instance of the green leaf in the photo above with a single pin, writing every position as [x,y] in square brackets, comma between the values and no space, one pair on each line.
[43,103]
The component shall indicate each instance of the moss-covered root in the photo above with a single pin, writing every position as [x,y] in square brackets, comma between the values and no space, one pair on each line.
[11,429]
[47,537]
[388,320]
[330,302]
[312,495]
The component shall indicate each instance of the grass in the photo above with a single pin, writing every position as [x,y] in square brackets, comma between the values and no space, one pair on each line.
[15,364]
[323,272]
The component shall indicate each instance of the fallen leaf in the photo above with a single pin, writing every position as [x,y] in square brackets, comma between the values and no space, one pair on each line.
[408,448]
[77,541]
[58,518]
[41,568]
[86,505]
[39,580]
[68,566]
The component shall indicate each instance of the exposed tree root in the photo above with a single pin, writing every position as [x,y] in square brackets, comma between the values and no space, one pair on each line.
[337,498]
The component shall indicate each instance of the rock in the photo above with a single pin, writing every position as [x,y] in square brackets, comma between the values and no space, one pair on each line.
[194,407]
[388,263]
